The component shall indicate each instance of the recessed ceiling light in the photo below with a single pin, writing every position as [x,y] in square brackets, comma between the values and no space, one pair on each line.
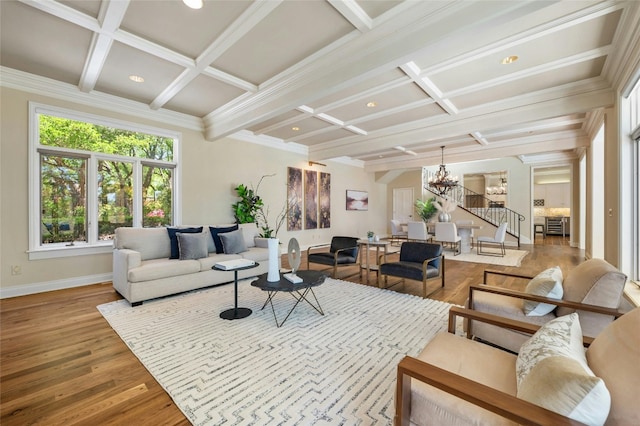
[193,4]
[372,104]
[509,60]
[136,78]
[295,129]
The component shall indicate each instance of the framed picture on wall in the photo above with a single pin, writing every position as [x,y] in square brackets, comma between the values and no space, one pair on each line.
[310,199]
[324,198]
[357,200]
[294,197]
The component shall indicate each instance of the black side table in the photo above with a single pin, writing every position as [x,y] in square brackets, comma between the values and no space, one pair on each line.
[235,312]
[298,291]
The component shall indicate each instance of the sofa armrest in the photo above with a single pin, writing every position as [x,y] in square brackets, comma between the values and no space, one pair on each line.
[535,298]
[496,320]
[123,261]
[491,399]
[488,272]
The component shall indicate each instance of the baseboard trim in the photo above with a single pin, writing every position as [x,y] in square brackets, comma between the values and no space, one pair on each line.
[42,287]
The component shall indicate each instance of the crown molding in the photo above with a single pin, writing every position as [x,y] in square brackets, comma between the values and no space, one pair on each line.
[19,80]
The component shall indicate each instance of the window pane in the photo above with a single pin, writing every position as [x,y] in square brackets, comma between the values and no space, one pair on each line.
[65,133]
[157,196]
[63,199]
[115,197]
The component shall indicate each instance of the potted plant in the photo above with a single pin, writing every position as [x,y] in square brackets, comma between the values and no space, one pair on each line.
[370,235]
[251,209]
[426,209]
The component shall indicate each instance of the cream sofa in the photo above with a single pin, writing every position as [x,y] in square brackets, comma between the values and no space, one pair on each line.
[142,269]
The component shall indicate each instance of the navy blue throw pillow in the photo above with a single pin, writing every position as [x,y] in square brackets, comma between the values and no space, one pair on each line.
[216,239]
[175,251]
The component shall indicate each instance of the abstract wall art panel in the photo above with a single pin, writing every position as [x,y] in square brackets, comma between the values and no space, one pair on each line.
[310,199]
[324,220]
[294,197]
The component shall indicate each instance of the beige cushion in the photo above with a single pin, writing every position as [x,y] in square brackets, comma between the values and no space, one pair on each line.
[152,243]
[562,385]
[476,361]
[503,306]
[547,283]
[594,282]
[615,357]
[559,337]
[162,268]
[552,372]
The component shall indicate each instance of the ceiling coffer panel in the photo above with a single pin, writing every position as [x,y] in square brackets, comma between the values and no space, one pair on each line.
[124,61]
[386,100]
[293,31]
[530,84]
[184,30]
[358,89]
[573,40]
[203,95]
[276,121]
[419,112]
[377,7]
[329,136]
[89,7]
[304,126]
[28,37]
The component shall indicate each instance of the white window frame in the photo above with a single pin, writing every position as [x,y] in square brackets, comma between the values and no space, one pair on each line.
[92,245]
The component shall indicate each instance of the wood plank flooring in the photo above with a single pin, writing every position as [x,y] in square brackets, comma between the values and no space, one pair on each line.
[62,364]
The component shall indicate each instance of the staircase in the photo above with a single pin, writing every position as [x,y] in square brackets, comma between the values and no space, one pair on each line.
[478,205]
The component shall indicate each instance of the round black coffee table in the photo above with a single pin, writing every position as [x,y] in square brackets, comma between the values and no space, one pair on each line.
[235,312]
[298,291]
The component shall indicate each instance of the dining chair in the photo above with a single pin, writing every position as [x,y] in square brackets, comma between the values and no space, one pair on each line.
[498,239]
[447,234]
[397,233]
[417,231]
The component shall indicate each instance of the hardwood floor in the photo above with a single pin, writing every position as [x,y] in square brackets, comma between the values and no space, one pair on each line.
[61,363]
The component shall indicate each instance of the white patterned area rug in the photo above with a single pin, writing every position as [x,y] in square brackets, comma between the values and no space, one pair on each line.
[512,257]
[336,369]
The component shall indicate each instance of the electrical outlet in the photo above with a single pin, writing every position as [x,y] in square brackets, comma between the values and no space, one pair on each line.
[16,269]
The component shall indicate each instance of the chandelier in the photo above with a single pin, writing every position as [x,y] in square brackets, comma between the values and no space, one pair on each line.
[442,182]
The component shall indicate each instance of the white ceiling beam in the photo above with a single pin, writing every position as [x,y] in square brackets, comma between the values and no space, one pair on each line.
[238,29]
[353,13]
[581,15]
[549,95]
[65,12]
[531,71]
[476,153]
[417,29]
[466,122]
[110,15]
[429,87]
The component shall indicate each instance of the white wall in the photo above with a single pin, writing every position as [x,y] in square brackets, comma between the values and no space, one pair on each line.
[210,171]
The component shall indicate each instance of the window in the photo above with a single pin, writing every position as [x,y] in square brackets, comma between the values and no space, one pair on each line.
[90,175]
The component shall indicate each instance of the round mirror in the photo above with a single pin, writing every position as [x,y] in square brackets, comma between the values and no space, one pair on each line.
[294,255]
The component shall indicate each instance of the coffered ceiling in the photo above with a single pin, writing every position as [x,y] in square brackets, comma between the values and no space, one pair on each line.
[382,82]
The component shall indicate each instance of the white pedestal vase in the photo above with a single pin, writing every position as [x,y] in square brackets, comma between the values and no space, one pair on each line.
[274,253]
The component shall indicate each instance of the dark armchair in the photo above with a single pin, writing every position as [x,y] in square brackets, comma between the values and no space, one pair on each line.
[418,261]
[342,251]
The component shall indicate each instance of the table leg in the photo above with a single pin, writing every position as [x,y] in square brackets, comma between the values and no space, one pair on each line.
[235,313]
[465,240]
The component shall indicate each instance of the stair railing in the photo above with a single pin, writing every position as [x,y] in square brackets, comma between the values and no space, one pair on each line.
[480,206]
